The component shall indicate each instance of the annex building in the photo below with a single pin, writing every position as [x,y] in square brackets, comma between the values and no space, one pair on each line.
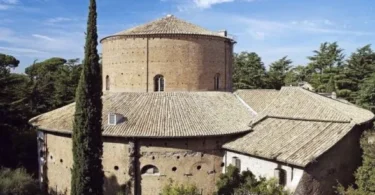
[169,112]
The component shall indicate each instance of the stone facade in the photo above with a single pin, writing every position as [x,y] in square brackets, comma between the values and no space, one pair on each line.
[335,166]
[187,63]
[192,160]
[265,168]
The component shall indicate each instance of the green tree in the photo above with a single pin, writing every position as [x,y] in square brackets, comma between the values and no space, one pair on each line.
[249,71]
[278,72]
[235,183]
[6,63]
[326,62]
[179,189]
[366,94]
[365,175]
[297,74]
[359,66]
[87,172]
[17,182]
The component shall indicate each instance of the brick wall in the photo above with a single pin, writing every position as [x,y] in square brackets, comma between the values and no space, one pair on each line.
[188,63]
[194,160]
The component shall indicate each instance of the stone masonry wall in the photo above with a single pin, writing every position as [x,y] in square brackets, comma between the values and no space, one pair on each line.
[185,161]
[337,165]
[188,63]
[194,160]
[60,161]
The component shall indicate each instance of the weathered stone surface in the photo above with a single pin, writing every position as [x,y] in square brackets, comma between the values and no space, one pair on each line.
[188,63]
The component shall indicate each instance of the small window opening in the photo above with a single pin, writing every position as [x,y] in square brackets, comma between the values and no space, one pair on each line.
[149,170]
[116,168]
[280,175]
[178,157]
[174,169]
[159,83]
[153,158]
[237,163]
[222,164]
[51,157]
[107,83]
[61,160]
[217,81]
[199,167]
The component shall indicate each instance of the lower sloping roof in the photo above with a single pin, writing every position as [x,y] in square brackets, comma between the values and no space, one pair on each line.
[296,142]
[166,114]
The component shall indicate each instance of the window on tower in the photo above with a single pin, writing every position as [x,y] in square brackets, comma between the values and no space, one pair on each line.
[107,83]
[159,83]
[217,81]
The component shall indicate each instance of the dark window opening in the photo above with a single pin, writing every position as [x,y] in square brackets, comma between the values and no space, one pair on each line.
[61,160]
[199,167]
[217,81]
[149,170]
[107,83]
[116,168]
[280,175]
[174,169]
[237,163]
[159,83]
[222,164]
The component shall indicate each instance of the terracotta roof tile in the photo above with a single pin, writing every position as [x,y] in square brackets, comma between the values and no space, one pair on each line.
[290,141]
[168,25]
[174,114]
[257,99]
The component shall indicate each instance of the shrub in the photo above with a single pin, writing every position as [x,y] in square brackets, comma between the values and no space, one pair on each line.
[365,174]
[17,182]
[180,189]
[234,182]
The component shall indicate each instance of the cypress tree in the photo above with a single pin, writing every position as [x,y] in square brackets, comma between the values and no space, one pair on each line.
[87,172]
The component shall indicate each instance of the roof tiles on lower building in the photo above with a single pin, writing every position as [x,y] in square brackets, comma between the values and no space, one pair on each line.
[165,114]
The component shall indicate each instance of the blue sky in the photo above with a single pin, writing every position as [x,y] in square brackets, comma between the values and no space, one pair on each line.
[40,29]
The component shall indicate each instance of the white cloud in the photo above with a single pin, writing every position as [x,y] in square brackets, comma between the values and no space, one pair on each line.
[4,7]
[209,3]
[43,37]
[21,50]
[58,20]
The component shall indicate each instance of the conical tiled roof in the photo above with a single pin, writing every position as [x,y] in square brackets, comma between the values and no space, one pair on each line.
[168,25]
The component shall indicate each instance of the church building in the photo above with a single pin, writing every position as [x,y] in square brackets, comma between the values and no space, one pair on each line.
[170,113]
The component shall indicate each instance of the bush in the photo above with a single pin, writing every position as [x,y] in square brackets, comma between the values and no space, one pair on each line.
[365,174]
[180,189]
[234,182]
[17,182]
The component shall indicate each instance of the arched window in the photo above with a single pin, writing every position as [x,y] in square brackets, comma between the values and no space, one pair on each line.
[149,170]
[107,83]
[159,83]
[217,81]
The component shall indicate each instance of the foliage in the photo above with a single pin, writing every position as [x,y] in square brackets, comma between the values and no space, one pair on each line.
[324,64]
[234,182]
[365,175]
[17,182]
[87,173]
[249,71]
[24,96]
[278,72]
[180,189]
[366,94]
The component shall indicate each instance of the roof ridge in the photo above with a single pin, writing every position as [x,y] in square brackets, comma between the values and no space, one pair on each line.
[311,94]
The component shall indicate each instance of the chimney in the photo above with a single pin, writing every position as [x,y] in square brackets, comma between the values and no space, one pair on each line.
[223,33]
[334,95]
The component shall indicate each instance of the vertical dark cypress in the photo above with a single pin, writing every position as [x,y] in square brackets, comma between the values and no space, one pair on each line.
[87,173]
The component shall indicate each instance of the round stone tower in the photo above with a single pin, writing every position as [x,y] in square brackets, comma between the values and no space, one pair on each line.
[167,54]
